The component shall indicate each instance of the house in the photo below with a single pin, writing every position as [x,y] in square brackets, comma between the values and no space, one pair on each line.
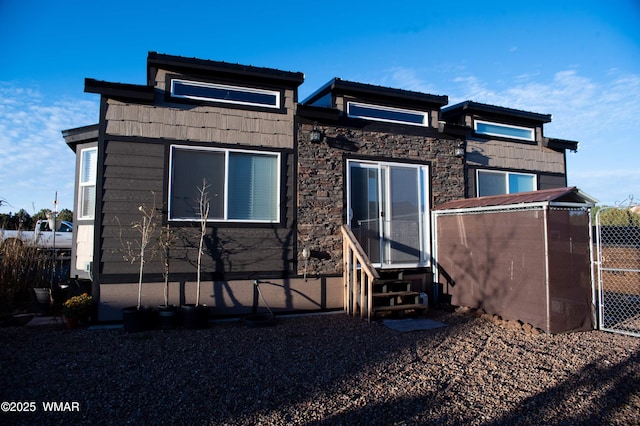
[283,179]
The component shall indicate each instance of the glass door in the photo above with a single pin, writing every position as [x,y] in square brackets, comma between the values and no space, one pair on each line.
[388,212]
[364,208]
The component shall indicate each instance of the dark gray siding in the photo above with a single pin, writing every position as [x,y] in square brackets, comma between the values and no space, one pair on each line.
[133,177]
[550,181]
[135,174]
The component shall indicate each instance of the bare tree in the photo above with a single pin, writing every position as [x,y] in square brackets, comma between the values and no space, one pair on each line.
[166,239]
[203,212]
[137,250]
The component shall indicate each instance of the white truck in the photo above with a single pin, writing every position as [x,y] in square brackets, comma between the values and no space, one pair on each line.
[42,236]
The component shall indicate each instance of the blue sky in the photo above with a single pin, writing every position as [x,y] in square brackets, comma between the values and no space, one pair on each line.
[576,60]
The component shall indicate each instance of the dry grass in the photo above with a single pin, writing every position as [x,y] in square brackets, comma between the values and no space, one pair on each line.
[22,267]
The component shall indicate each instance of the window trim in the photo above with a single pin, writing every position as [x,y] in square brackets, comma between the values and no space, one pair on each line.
[276,105]
[425,114]
[226,152]
[530,129]
[89,183]
[506,176]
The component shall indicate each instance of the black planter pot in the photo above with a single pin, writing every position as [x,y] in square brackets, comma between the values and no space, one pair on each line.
[43,299]
[195,316]
[135,320]
[168,317]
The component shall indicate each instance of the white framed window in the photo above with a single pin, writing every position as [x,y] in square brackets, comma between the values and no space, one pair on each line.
[87,183]
[491,182]
[225,93]
[388,114]
[241,186]
[504,130]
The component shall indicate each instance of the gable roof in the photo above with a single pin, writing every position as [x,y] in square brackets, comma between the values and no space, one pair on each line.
[556,195]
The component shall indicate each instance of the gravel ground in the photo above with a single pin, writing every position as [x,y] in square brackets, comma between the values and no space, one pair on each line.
[327,369]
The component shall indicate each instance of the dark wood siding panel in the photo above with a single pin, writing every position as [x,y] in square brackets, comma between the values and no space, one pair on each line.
[546,181]
[130,177]
[471,183]
[249,251]
[133,177]
[139,173]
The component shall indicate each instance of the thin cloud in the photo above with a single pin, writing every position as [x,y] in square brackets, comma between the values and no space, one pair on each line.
[36,162]
[601,114]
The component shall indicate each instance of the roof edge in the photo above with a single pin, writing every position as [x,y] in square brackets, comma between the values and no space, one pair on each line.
[206,65]
[351,87]
[569,194]
[119,90]
[471,106]
[78,135]
[561,144]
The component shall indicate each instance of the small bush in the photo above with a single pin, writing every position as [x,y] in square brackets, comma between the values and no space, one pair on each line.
[22,267]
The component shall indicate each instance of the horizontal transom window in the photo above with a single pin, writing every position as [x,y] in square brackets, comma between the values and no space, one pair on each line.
[504,130]
[240,186]
[225,93]
[388,114]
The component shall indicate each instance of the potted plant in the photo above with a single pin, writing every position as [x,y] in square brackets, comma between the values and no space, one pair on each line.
[167,313]
[77,310]
[139,318]
[197,315]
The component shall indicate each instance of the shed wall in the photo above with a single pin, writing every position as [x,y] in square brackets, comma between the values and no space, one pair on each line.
[570,292]
[496,260]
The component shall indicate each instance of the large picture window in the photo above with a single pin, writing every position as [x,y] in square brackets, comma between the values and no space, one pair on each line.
[490,182]
[241,186]
[87,183]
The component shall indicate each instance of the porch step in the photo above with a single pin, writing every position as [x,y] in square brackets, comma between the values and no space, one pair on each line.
[386,286]
[394,295]
[407,307]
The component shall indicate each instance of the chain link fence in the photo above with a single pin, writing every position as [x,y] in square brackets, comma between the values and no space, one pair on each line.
[618,269]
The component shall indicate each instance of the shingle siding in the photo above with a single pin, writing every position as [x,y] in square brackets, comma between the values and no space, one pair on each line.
[200,124]
[513,155]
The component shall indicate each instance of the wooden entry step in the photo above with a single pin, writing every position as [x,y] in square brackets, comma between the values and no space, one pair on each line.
[394,295]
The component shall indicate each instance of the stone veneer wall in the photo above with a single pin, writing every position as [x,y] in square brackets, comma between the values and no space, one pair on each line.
[321,182]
